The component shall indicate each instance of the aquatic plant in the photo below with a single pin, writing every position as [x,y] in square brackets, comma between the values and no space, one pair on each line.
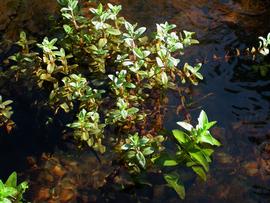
[137,151]
[263,51]
[109,78]
[5,113]
[194,149]
[10,191]
[264,45]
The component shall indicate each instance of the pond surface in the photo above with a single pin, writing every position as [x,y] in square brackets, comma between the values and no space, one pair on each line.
[232,93]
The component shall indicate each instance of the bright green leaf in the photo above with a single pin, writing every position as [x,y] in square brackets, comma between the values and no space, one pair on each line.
[12,180]
[113,31]
[180,136]
[199,170]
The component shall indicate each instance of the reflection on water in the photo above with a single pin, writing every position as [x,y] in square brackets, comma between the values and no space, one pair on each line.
[239,98]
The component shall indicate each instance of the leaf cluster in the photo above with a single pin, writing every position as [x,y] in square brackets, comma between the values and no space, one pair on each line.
[5,112]
[139,150]
[10,192]
[264,45]
[194,149]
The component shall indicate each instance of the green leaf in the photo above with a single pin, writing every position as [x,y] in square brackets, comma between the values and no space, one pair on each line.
[174,181]
[138,53]
[8,191]
[124,114]
[5,200]
[199,75]
[199,156]
[164,78]
[199,171]
[130,85]
[143,141]
[207,138]
[73,4]
[65,107]
[209,125]
[131,154]
[141,159]
[140,31]
[102,42]
[8,102]
[2,185]
[128,26]
[170,162]
[85,137]
[99,9]
[125,146]
[50,68]
[67,16]
[68,29]
[180,136]
[22,187]
[132,110]
[208,152]
[165,160]
[202,120]
[146,53]
[159,62]
[148,151]
[12,180]
[113,31]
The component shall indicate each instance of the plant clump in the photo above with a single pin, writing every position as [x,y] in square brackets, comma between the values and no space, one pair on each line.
[107,76]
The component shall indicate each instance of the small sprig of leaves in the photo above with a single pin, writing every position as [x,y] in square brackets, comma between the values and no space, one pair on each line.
[138,151]
[88,129]
[263,50]
[123,114]
[194,149]
[24,63]
[52,56]
[75,88]
[5,112]
[193,73]
[10,192]
[200,134]
[119,83]
[264,45]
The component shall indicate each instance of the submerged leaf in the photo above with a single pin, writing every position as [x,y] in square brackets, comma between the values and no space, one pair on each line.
[199,170]
[199,156]
[174,181]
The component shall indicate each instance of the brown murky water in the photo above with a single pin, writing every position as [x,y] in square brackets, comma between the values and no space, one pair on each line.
[238,98]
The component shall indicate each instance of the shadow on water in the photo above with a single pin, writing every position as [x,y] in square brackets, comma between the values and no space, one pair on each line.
[238,99]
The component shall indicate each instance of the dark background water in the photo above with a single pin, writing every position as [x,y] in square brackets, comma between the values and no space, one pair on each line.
[231,93]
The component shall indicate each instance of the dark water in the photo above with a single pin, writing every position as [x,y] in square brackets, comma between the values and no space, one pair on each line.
[231,93]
